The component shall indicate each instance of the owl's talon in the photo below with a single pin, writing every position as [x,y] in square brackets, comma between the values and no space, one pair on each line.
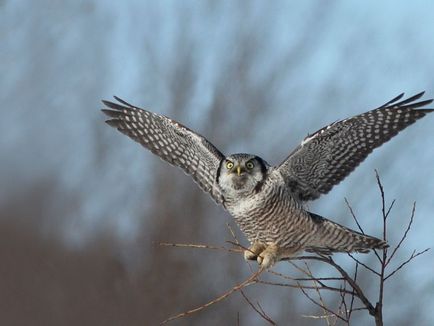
[249,255]
[268,257]
[267,260]
[253,251]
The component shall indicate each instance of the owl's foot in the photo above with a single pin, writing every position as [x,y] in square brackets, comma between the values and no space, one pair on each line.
[268,257]
[253,251]
[273,253]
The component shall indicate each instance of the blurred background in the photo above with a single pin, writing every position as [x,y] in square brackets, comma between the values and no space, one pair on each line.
[83,208]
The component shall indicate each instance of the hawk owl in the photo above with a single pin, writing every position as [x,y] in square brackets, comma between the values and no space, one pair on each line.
[267,202]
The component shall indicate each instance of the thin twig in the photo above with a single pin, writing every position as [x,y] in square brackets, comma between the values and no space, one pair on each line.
[259,312]
[413,256]
[322,306]
[232,233]
[250,280]
[378,315]
[331,315]
[316,289]
[353,294]
[242,250]
[318,317]
[306,287]
[286,277]
[358,291]
[390,208]
[380,186]
[237,244]
[262,310]
[305,272]
[343,301]
[364,265]
[410,222]
[383,210]
[319,279]
[354,216]
[199,246]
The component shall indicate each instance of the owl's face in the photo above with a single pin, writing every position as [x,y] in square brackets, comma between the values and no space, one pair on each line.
[241,173]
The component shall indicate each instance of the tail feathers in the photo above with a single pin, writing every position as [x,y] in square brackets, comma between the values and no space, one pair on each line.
[332,237]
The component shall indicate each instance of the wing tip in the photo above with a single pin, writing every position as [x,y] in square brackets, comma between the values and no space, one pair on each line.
[113,123]
[112,105]
[409,102]
[117,98]
[396,98]
[116,106]
[110,113]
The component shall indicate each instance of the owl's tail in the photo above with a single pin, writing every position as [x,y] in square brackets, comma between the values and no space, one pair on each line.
[332,237]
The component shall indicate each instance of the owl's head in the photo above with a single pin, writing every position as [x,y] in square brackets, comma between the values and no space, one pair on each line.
[241,173]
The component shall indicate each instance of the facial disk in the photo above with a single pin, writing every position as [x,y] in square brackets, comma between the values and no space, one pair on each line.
[241,173]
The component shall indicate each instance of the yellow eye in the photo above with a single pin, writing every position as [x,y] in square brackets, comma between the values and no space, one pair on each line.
[229,165]
[250,165]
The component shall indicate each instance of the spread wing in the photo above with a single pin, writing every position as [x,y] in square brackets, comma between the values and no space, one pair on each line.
[326,157]
[170,140]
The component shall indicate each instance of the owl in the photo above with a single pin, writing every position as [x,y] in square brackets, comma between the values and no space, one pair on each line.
[268,202]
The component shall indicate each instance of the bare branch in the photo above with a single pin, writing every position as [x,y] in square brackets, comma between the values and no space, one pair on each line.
[364,265]
[353,294]
[380,186]
[286,277]
[413,256]
[358,291]
[354,216]
[343,301]
[328,316]
[331,312]
[262,310]
[348,285]
[405,234]
[383,210]
[232,233]
[319,279]
[306,287]
[318,317]
[321,301]
[390,208]
[321,317]
[248,281]
[378,312]
[259,311]
[237,244]
[199,246]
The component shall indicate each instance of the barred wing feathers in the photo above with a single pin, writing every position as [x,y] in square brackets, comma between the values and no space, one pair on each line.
[170,140]
[326,157]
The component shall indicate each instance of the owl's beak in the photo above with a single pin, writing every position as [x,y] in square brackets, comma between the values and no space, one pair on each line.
[239,170]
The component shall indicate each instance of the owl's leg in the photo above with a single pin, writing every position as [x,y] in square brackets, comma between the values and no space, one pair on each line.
[269,256]
[254,250]
[273,253]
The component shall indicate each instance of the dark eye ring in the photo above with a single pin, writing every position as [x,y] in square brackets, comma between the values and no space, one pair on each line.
[229,165]
[250,165]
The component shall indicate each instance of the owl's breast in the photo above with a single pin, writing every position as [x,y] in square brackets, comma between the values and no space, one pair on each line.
[261,204]
[261,215]
[246,206]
